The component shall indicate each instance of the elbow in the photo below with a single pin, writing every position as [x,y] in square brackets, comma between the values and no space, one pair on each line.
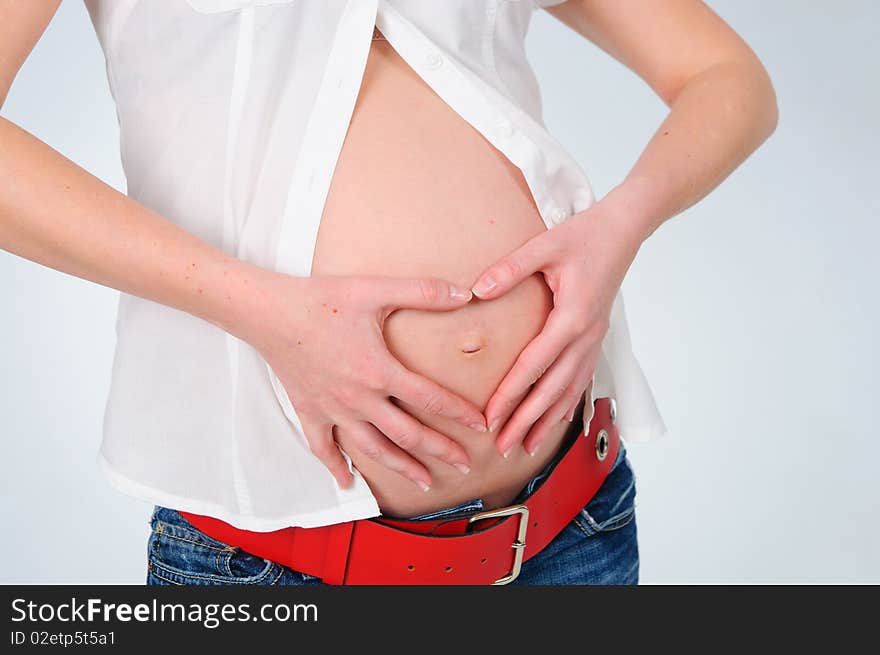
[750,89]
[774,111]
[758,93]
[772,119]
[768,112]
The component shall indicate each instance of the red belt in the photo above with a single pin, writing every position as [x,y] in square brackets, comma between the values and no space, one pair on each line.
[484,548]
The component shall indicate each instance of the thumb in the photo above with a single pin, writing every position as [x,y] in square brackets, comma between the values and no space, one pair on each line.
[510,270]
[425,293]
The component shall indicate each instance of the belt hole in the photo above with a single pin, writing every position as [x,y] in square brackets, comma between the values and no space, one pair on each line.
[535,524]
[410,568]
[448,569]
[483,561]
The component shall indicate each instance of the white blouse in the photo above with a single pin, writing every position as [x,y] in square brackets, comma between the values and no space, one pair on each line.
[232,114]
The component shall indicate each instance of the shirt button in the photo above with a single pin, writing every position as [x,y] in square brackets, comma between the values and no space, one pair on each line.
[559,216]
[433,60]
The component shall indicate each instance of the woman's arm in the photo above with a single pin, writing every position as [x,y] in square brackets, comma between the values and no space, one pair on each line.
[57,214]
[722,101]
[723,106]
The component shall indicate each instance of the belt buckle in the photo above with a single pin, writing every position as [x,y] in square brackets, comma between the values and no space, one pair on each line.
[519,545]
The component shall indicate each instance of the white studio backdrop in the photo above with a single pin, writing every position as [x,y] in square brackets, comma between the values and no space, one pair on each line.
[755,316]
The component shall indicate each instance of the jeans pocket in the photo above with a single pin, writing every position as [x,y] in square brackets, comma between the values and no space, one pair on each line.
[180,554]
[613,505]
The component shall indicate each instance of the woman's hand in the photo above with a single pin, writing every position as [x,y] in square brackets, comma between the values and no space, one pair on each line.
[584,261]
[322,336]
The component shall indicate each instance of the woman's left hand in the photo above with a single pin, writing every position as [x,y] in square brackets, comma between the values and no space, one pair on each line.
[584,261]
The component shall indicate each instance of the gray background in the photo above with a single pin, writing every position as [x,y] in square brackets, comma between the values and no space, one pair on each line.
[754,315]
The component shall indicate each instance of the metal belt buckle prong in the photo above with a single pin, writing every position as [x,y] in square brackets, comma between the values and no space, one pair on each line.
[519,545]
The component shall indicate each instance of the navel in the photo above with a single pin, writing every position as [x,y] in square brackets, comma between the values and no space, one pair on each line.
[472,345]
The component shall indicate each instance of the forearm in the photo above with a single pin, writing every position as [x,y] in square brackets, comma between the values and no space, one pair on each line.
[56,214]
[716,121]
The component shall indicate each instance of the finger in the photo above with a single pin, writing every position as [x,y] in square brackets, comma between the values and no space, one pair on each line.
[322,443]
[433,398]
[429,293]
[549,389]
[569,415]
[375,445]
[528,368]
[562,409]
[509,409]
[510,270]
[413,436]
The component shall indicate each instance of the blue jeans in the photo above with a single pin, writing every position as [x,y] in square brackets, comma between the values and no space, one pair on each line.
[599,546]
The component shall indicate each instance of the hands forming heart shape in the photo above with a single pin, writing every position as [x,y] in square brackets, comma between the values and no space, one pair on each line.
[347,383]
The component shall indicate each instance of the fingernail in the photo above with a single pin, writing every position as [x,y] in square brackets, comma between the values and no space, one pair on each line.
[494,425]
[479,427]
[507,453]
[464,468]
[534,450]
[424,486]
[484,286]
[457,293]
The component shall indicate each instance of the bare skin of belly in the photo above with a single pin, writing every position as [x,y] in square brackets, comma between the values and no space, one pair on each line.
[417,191]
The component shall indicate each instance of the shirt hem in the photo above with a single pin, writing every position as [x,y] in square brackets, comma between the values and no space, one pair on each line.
[349,511]
[643,434]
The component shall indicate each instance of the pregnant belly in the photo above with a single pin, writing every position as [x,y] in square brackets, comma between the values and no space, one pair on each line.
[418,192]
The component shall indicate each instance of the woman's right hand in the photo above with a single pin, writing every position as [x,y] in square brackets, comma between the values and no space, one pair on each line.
[322,336]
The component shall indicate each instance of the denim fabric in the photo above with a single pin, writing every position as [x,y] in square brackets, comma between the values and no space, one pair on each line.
[599,546]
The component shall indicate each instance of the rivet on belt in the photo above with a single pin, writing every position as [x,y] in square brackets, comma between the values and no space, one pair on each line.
[602,444]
